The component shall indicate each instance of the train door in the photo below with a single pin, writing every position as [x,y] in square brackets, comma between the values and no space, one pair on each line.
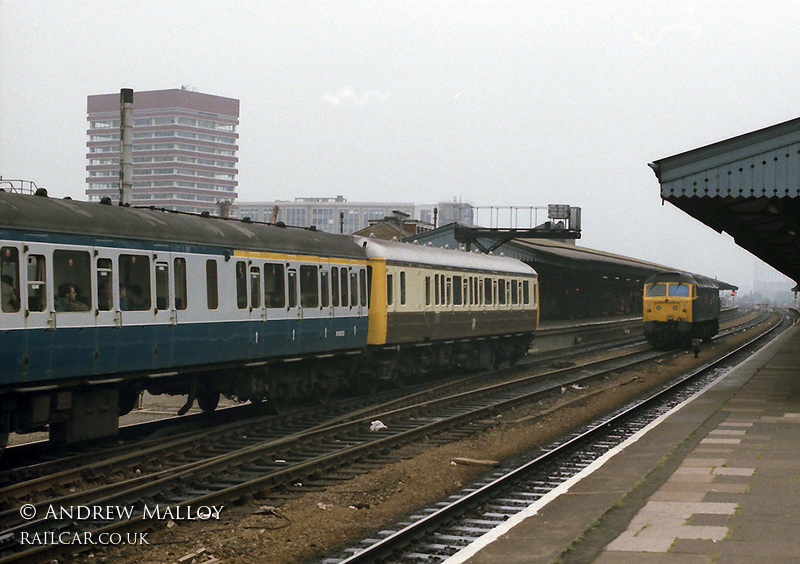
[74,339]
[137,307]
[326,306]
[106,314]
[274,335]
[310,306]
[165,316]
[328,329]
[24,352]
[340,294]
[295,312]
[256,312]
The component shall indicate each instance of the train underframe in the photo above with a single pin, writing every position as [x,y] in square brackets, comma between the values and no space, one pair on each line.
[669,334]
[89,410]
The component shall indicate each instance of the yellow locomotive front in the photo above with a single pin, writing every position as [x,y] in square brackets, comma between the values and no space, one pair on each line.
[667,309]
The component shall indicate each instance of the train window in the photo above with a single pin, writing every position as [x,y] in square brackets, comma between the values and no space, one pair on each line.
[162,286]
[105,296]
[427,290]
[679,290]
[514,292]
[389,289]
[324,288]
[309,286]
[353,288]
[212,285]
[343,279]
[9,287]
[134,282]
[255,287]
[402,288]
[466,287]
[292,287]
[656,290]
[181,295]
[471,290]
[73,279]
[335,286]
[448,295]
[526,292]
[437,295]
[241,284]
[487,286]
[274,286]
[456,290]
[362,278]
[478,291]
[442,294]
[501,291]
[37,295]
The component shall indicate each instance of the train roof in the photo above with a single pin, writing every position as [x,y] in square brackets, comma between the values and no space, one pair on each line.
[411,253]
[70,217]
[684,277]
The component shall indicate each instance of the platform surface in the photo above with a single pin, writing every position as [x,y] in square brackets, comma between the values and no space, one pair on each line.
[715,481]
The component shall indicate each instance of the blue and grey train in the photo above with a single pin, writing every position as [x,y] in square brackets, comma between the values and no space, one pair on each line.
[102,302]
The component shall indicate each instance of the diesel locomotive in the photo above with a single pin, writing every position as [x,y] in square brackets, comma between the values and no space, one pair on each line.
[679,307]
[102,302]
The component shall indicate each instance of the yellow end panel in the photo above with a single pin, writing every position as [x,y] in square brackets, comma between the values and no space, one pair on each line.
[667,309]
[377,303]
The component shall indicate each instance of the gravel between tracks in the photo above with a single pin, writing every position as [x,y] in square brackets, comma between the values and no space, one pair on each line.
[313,524]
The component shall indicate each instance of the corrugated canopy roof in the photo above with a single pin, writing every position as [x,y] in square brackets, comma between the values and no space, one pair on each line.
[747,186]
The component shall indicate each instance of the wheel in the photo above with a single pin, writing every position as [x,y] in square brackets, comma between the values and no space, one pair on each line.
[127,400]
[208,401]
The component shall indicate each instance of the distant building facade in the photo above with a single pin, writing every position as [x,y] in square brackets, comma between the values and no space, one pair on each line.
[332,215]
[185,147]
[445,213]
[326,213]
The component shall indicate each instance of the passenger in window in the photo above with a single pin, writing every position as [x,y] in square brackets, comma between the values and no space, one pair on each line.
[136,298]
[104,296]
[8,294]
[67,299]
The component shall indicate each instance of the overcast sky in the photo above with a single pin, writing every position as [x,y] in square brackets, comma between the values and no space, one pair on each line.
[495,103]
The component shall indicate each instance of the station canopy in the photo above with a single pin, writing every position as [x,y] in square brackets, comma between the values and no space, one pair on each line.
[747,186]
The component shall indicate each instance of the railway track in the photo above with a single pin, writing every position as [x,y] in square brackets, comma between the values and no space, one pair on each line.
[442,530]
[235,467]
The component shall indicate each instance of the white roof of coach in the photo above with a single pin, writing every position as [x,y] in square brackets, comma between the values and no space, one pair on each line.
[395,251]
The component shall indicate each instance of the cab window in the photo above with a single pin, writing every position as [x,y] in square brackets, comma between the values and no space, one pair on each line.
[655,290]
[679,290]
